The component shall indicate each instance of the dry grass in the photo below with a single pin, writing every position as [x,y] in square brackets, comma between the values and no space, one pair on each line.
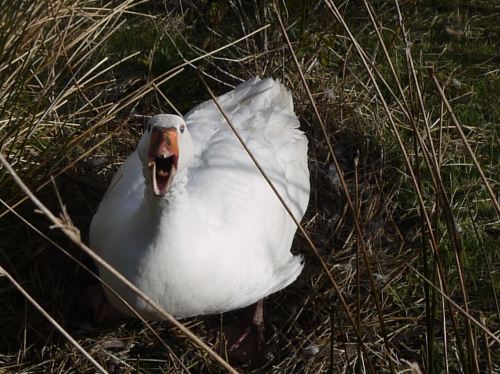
[403,215]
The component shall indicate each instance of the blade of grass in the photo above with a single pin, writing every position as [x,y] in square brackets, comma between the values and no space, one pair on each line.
[458,127]
[406,158]
[433,164]
[345,189]
[49,318]
[73,234]
[67,167]
[458,307]
[95,276]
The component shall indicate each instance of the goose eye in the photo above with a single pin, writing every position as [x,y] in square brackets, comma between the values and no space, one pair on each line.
[182,128]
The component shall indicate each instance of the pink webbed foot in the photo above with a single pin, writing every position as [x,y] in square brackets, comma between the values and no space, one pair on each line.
[245,337]
[103,310]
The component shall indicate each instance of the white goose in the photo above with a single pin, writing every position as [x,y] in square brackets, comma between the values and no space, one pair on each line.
[190,220]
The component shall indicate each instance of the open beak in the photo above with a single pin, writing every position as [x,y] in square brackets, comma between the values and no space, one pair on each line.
[163,156]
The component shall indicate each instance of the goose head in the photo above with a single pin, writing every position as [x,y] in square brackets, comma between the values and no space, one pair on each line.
[165,150]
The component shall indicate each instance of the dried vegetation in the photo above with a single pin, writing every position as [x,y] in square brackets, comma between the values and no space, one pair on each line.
[404,212]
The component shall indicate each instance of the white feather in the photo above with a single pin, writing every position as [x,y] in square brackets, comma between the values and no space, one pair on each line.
[219,239]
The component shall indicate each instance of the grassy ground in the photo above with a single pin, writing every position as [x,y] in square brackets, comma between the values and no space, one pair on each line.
[76,86]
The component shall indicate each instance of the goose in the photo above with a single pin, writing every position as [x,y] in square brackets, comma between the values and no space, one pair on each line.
[190,220]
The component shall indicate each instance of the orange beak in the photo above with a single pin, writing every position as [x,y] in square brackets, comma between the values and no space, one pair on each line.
[163,156]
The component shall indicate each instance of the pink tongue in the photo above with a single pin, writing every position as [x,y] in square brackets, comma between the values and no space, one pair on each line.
[163,173]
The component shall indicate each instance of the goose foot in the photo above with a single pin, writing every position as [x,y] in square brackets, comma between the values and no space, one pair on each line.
[245,337]
[103,310]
